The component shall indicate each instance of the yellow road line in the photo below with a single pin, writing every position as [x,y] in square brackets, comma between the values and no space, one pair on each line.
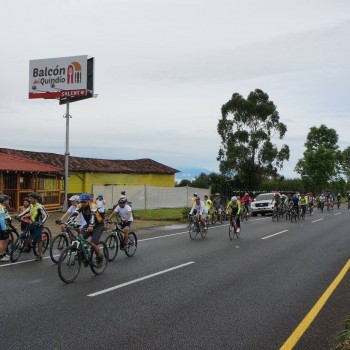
[306,322]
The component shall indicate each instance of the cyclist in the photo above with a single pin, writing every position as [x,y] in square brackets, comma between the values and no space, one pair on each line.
[278,201]
[303,203]
[217,207]
[209,205]
[124,211]
[247,201]
[294,203]
[330,201]
[74,203]
[321,200]
[5,221]
[38,215]
[94,223]
[200,210]
[310,199]
[235,206]
[338,199]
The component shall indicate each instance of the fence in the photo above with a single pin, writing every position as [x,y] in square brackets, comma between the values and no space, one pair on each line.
[150,197]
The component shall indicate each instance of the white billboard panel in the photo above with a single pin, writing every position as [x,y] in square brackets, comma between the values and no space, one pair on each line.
[58,77]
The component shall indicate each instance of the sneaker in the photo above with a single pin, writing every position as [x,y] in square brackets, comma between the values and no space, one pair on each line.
[4,257]
[38,258]
[99,261]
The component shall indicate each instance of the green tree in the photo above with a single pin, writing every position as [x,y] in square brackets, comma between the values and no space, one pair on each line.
[322,162]
[246,129]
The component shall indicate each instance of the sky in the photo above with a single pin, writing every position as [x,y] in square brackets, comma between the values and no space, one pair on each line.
[164,68]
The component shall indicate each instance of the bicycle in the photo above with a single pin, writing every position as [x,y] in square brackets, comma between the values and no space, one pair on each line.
[61,241]
[13,235]
[24,243]
[338,204]
[115,240]
[245,213]
[196,227]
[294,214]
[275,214]
[232,229]
[81,251]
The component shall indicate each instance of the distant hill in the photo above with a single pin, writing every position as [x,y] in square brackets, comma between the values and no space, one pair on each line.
[190,173]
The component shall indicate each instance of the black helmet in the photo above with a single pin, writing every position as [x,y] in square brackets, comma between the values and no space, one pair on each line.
[122,200]
[3,198]
[35,196]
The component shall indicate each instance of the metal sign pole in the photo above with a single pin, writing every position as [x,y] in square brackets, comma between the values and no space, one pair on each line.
[66,159]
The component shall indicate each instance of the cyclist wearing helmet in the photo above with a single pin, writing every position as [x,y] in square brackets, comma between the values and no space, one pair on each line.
[200,210]
[74,200]
[247,201]
[234,206]
[5,221]
[38,215]
[94,223]
[124,211]
[303,203]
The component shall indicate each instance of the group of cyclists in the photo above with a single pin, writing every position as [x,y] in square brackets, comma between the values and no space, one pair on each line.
[208,211]
[300,204]
[87,214]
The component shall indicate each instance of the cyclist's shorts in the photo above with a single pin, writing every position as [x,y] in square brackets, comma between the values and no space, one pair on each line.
[126,224]
[4,235]
[35,232]
[95,234]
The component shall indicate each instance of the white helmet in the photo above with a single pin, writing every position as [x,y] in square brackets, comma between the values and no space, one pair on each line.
[233,199]
[74,198]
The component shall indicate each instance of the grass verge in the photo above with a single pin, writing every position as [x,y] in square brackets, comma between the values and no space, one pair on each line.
[344,336]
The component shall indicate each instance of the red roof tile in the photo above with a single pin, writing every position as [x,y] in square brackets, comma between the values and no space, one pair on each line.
[10,162]
[138,166]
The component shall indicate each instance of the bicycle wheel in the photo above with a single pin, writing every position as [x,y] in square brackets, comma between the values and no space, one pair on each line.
[45,239]
[59,243]
[16,250]
[69,264]
[10,243]
[95,267]
[112,246]
[130,250]
[204,230]
[213,218]
[46,229]
[192,230]
[232,232]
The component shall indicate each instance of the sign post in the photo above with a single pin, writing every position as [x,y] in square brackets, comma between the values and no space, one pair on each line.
[67,79]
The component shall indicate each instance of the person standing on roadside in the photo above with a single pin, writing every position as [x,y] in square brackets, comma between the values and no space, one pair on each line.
[101,205]
[38,215]
[5,221]
[26,218]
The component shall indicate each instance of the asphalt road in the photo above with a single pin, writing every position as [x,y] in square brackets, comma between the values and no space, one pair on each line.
[176,293]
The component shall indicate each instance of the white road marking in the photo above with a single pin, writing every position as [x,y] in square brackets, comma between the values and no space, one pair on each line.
[275,234]
[23,262]
[337,213]
[318,220]
[139,279]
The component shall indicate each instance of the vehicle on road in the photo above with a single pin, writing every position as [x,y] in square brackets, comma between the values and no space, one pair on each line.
[263,204]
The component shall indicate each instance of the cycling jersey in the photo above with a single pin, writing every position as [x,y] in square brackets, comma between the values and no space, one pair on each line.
[38,214]
[303,201]
[295,201]
[90,214]
[208,204]
[123,212]
[235,206]
[200,209]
